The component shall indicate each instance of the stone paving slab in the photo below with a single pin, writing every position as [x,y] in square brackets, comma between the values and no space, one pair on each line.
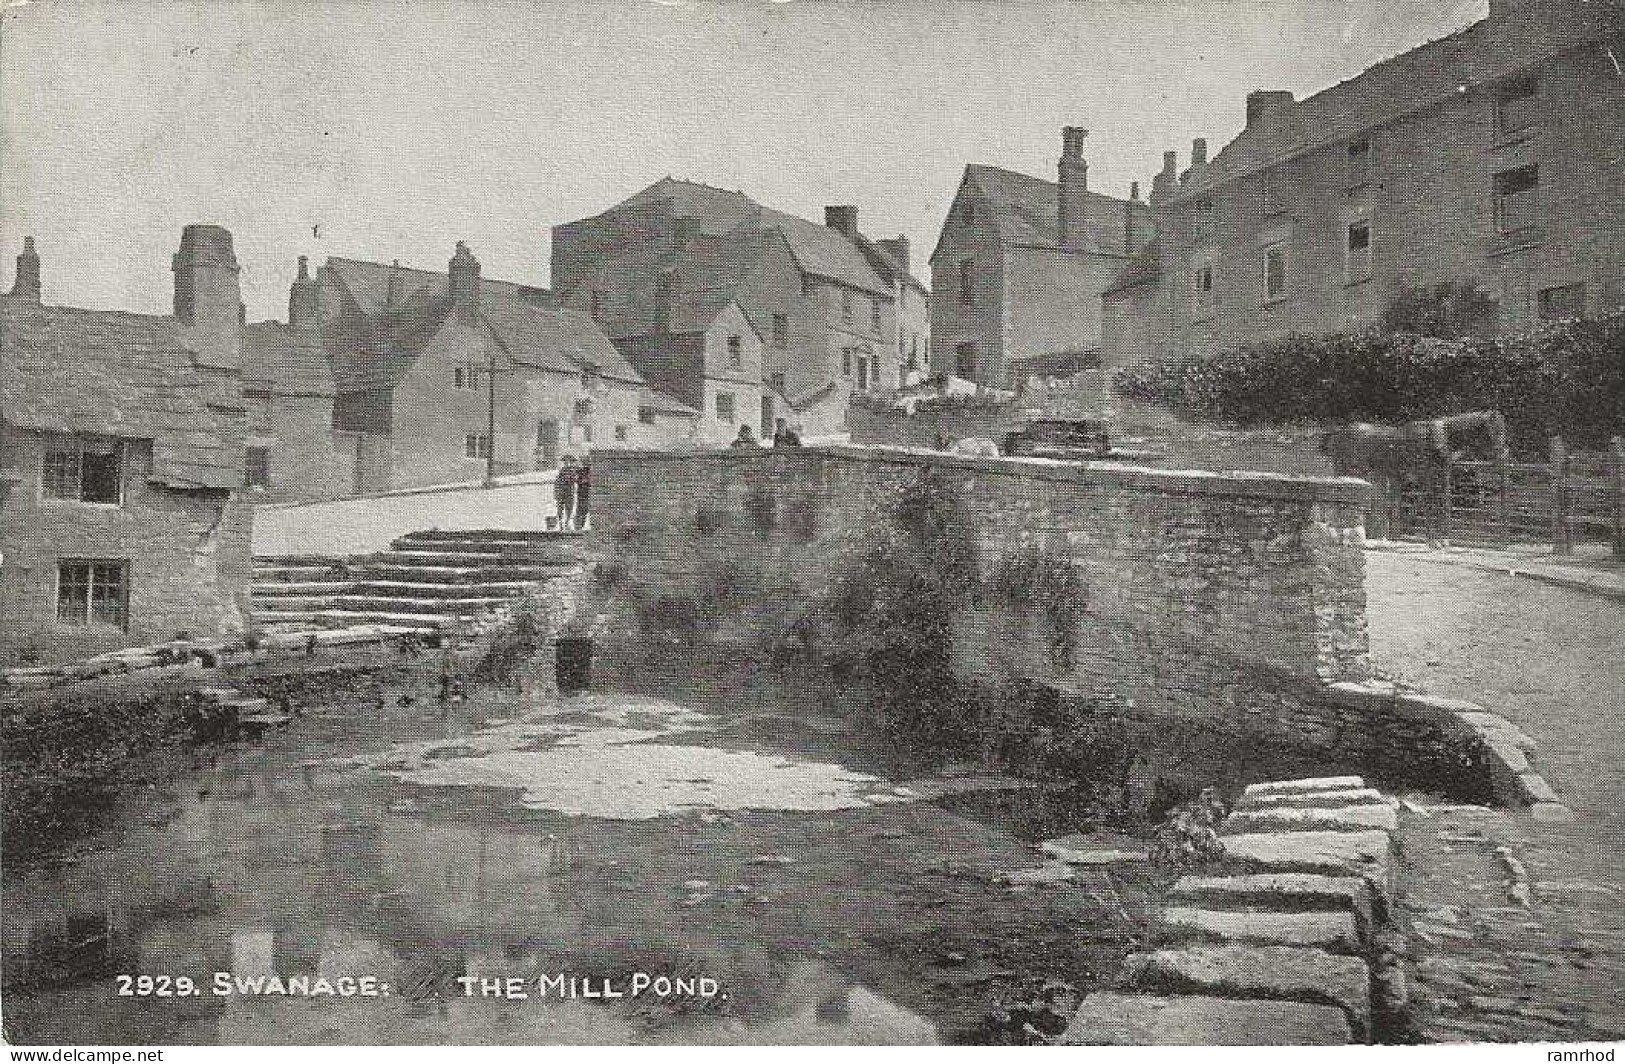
[1288,891]
[1336,853]
[1351,796]
[1281,973]
[1334,931]
[1336,818]
[1117,1019]
[1299,786]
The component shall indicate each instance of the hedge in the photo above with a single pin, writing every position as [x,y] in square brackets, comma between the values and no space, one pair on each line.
[1566,380]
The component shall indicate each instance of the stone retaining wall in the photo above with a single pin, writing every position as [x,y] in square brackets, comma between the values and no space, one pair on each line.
[1290,943]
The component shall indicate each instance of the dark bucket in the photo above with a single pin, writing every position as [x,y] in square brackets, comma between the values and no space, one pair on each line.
[572,664]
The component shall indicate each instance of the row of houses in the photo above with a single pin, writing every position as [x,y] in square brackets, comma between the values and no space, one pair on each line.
[1491,157]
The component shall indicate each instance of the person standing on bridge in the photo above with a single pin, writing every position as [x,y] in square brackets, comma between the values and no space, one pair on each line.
[564,491]
[583,488]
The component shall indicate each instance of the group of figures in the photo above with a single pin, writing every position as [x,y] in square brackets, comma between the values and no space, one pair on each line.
[784,435]
[571,490]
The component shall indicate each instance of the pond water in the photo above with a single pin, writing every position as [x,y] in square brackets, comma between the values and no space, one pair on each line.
[712,824]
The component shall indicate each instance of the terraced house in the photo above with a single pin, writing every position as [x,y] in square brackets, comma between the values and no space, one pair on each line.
[1491,156]
[835,312]
[122,451]
[425,362]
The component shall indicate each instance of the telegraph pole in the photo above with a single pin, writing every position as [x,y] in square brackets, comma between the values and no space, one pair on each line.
[491,417]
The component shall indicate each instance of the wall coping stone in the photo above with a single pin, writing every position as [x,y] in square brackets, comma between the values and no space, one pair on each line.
[1248,483]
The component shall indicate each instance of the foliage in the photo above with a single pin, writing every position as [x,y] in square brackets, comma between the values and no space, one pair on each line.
[1189,839]
[1568,380]
[1449,310]
[514,642]
[1033,578]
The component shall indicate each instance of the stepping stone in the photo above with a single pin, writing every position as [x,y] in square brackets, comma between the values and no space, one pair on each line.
[1281,891]
[1312,783]
[1368,854]
[1340,818]
[1323,930]
[1109,1018]
[1277,973]
[1352,796]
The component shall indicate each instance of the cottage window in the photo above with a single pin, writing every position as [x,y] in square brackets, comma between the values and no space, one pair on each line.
[967,276]
[1359,161]
[1515,104]
[965,361]
[1517,195]
[258,471]
[846,362]
[1202,286]
[914,353]
[620,433]
[736,352]
[583,407]
[465,377]
[1563,302]
[781,330]
[586,432]
[1357,265]
[93,592]
[1275,273]
[477,445]
[725,406]
[646,415]
[84,469]
[874,315]
[777,380]
[846,304]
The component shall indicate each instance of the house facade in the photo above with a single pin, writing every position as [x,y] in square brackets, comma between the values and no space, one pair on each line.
[425,362]
[122,457]
[678,251]
[1488,157]
[713,368]
[1021,264]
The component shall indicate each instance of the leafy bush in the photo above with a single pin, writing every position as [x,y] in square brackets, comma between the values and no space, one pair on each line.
[1449,310]
[1189,839]
[1566,380]
[1032,578]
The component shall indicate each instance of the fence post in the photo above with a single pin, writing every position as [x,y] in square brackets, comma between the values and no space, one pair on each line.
[1616,450]
[1562,530]
[1444,501]
[1503,527]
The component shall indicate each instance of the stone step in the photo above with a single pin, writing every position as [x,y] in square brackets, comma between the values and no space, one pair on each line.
[289,603]
[401,604]
[1282,891]
[524,535]
[1275,973]
[453,574]
[1117,1019]
[1340,818]
[1312,783]
[296,589]
[1333,931]
[348,618]
[1353,796]
[431,589]
[1368,854]
[297,574]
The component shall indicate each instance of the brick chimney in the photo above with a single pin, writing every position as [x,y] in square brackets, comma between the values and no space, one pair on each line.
[1072,190]
[1266,108]
[206,289]
[843,219]
[1166,183]
[26,284]
[1198,168]
[463,276]
[898,248]
[303,308]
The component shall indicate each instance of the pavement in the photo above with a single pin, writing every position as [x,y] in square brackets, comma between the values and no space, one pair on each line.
[1591,568]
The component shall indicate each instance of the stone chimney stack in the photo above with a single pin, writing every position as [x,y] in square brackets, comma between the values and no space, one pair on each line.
[843,219]
[1266,108]
[898,248]
[206,287]
[1129,210]
[26,284]
[1072,190]
[303,308]
[1198,166]
[464,277]
[1166,183]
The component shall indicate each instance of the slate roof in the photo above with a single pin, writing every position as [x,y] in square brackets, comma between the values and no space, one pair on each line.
[1485,52]
[1026,210]
[528,325]
[286,360]
[110,373]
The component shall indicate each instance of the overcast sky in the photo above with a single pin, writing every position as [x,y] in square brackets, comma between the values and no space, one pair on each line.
[386,130]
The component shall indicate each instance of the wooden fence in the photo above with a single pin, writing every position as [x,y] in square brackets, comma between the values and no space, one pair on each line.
[1572,497]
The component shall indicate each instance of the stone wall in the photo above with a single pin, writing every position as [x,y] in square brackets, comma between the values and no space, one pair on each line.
[1205,590]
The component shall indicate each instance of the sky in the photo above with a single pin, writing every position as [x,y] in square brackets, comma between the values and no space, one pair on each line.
[390,130]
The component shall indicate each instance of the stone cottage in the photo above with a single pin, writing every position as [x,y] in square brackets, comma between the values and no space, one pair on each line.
[122,456]
[1021,263]
[424,362]
[826,302]
[1489,157]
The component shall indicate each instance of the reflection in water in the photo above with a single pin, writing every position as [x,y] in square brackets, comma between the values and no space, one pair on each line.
[272,863]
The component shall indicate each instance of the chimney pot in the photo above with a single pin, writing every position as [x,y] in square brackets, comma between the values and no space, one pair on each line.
[206,285]
[25,285]
[1072,138]
[843,219]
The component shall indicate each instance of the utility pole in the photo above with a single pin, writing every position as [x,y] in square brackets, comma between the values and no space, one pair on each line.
[491,417]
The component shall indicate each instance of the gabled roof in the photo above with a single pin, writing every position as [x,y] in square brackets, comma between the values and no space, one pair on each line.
[888,266]
[1486,52]
[529,326]
[1026,211]
[109,373]
[286,360]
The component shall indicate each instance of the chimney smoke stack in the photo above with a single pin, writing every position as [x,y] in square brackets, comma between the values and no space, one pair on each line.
[1072,190]
[26,283]
[302,301]
[206,284]
[463,275]
[843,219]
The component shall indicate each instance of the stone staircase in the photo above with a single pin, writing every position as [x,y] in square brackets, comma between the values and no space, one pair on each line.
[430,580]
[1292,945]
